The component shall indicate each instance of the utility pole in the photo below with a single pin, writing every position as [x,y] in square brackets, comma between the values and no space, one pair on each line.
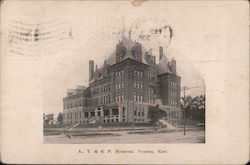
[184,109]
[133,102]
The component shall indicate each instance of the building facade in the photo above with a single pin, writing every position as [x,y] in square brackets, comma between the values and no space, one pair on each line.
[123,88]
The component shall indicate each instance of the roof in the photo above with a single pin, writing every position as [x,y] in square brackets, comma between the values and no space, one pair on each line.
[128,44]
[163,66]
[111,60]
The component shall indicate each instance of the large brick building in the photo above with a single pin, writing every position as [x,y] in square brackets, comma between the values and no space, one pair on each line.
[123,88]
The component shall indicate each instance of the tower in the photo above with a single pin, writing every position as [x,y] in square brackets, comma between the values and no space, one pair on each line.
[137,52]
[160,52]
[172,66]
[120,52]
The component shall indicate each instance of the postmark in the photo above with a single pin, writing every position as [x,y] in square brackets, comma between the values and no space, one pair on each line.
[34,39]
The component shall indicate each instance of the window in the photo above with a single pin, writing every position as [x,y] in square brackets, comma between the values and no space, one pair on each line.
[119,98]
[123,111]
[119,58]
[151,73]
[151,91]
[109,99]
[138,84]
[86,114]
[122,97]
[102,100]
[92,114]
[122,86]
[151,100]
[135,97]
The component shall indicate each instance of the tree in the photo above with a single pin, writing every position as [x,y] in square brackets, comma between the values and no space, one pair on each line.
[198,105]
[194,108]
[45,119]
[60,118]
[154,113]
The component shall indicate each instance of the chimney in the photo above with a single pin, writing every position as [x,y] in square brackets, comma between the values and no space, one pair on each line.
[91,69]
[160,52]
[173,66]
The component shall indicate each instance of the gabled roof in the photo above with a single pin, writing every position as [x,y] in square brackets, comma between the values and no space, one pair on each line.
[163,66]
[111,60]
[128,44]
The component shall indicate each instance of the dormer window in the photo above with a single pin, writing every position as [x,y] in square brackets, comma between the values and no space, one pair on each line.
[137,52]
[120,52]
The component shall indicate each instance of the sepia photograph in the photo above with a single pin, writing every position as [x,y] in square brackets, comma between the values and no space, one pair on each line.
[141,91]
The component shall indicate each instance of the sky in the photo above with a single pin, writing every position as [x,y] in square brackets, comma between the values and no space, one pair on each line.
[81,31]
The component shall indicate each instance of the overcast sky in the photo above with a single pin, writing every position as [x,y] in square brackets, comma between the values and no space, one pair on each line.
[95,29]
